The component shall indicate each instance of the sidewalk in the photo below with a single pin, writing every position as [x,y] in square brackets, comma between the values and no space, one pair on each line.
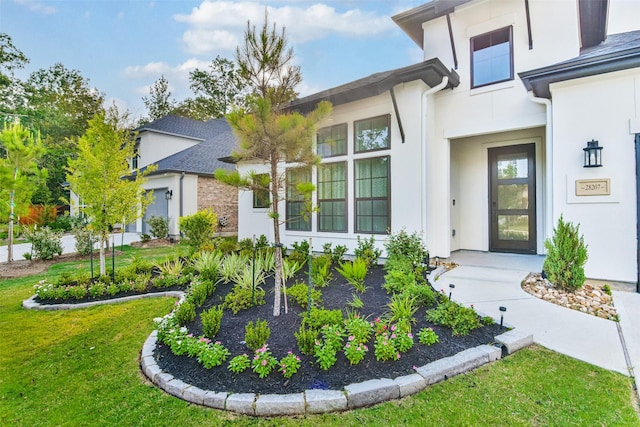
[489,280]
[68,245]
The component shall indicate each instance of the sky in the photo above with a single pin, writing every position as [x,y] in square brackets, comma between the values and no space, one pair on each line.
[123,47]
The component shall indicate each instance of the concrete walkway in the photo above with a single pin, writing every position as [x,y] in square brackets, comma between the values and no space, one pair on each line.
[491,280]
[68,245]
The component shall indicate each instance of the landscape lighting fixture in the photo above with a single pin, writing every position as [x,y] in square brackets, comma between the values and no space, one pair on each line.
[502,309]
[451,286]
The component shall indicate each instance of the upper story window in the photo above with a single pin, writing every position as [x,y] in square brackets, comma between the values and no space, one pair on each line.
[332,141]
[135,160]
[372,134]
[492,57]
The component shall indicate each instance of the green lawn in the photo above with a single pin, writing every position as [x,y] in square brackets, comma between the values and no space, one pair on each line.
[80,367]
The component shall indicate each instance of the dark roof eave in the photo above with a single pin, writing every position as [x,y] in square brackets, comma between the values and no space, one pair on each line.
[540,79]
[411,20]
[431,72]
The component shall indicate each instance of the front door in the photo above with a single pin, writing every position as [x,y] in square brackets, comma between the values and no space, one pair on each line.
[512,204]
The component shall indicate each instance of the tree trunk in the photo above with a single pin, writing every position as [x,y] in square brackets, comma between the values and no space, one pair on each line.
[12,204]
[275,184]
[103,267]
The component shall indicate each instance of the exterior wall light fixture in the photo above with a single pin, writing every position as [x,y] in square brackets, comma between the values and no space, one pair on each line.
[592,155]
[168,194]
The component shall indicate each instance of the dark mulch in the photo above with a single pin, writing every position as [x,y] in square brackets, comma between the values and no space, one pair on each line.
[282,340]
[107,297]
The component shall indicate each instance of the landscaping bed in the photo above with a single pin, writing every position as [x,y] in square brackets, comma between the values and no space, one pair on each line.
[282,340]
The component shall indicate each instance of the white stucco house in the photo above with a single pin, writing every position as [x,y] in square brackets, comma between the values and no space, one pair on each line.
[186,154]
[482,145]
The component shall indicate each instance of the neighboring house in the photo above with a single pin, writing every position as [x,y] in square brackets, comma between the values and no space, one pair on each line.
[481,146]
[186,153]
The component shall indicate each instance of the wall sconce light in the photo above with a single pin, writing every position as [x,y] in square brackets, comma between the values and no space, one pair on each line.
[168,194]
[592,154]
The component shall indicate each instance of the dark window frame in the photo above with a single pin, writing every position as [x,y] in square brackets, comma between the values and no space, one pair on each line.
[296,223]
[345,128]
[490,36]
[356,199]
[355,134]
[345,199]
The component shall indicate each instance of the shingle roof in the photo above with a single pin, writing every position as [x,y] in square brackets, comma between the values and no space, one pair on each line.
[217,138]
[617,52]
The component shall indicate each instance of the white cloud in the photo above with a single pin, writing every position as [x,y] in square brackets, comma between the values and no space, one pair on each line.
[37,6]
[219,25]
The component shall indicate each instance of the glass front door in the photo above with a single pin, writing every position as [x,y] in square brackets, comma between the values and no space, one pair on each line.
[512,201]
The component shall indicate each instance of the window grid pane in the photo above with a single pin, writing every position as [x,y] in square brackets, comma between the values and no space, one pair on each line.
[332,141]
[297,219]
[491,57]
[332,194]
[372,195]
[372,134]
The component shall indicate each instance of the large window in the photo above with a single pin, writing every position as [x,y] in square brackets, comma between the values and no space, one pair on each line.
[491,58]
[297,216]
[332,141]
[261,197]
[372,134]
[332,197]
[372,195]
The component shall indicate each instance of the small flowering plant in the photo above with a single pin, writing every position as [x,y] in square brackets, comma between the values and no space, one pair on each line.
[325,355]
[213,355]
[385,348]
[403,341]
[263,361]
[358,328]
[355,351]
[428,336]
[289,364]
[239,363]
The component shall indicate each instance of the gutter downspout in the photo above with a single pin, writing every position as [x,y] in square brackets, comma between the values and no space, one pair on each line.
[423,146]
[181,198]
[548,223]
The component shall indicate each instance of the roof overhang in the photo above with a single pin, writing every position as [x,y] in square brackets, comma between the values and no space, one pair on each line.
[540,79]
[431,72]
[411,20]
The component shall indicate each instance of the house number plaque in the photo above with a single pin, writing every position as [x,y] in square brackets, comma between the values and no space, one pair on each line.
[593,187]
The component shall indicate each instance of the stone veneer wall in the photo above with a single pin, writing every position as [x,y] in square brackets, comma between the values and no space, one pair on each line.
[223,199]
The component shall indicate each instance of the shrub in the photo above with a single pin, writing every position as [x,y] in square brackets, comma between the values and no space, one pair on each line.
[84,242]
[366,249]
[240,298]
[199,228]
[306,338]
[396,281]
[257,334]
[566,256]
[239,363]
[300,294]
[158,226]
[227,246]
[460,319]
[321,270]
[45,242]
[354,271]
[262,242]
[245,245]
[406,246]
[207,264]
[198,292]
[318,317]
[428,336]
[185,313]
[211,320]
[423,294]
[402,307]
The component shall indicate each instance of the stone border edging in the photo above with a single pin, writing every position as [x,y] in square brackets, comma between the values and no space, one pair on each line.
[31,304]
[353,396]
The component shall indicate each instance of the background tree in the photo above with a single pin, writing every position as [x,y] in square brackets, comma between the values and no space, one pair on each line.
[60,102]
[19,173]
[11,59]
[159,102]
[102,178]
[265,132]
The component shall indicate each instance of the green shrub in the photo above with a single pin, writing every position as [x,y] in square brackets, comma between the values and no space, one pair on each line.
[566,256]
[300,294]
[460,319]
[45,242]
[257,334]
[84,241]
[427,336]
[406,246]
[306,338]
[185,313]
[158,226]
[366,249]
[227,246]
[402,307]
[97,289]
[321,271]
[211,320]
[199,228]
[240,298]
[245,245]
[207,264]
[396,281]
[355,272]
[198,293]
[262,242]
[423,294]
[318,317]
